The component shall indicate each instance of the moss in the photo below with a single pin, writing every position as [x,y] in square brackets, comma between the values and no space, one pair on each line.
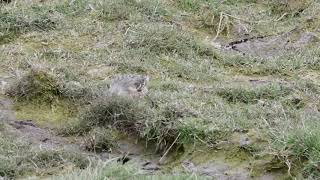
[268,163]
[55,114]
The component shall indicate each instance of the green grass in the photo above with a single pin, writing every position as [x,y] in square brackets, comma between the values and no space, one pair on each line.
[286,64]
[20,159]
[36,84]
[14,24]
[114,170]
[198,94]
[253,95]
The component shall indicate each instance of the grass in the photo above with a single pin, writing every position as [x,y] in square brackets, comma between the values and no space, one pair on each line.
[286,64]
[129,116]
[302,146]
[198,94]
[36,84]
[164,39]
[125,10]
[128,171]
[20,159]
[243,95]
[14,24]
[101,140]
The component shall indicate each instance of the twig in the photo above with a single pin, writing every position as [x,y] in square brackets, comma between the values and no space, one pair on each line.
[269,126]
[244,20]
[164,155]
[35,165]
[223,14]
[219,26]
[289,167]
[281,17]
[209,145]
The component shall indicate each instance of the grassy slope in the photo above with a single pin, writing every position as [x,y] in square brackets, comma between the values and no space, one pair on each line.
[89,42]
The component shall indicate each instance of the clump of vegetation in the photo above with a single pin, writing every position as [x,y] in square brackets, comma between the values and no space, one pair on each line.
[295,102]
[293,7]
[100,140]
[75,91]
[118,10]
[13,24]
[301,147]
[128,171]
[121,112]
[112,10]
[130,116]
[37,84]
[49,159]
[283,64]
[206,15]
[18,159]
[165,39]
[158,126]
[252,95]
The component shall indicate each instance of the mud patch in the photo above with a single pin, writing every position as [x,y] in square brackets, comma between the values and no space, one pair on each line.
[217,170]
[271,46]
[39,137]
[129,149]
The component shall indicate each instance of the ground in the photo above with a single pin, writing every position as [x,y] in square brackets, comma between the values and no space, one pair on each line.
[234,90]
